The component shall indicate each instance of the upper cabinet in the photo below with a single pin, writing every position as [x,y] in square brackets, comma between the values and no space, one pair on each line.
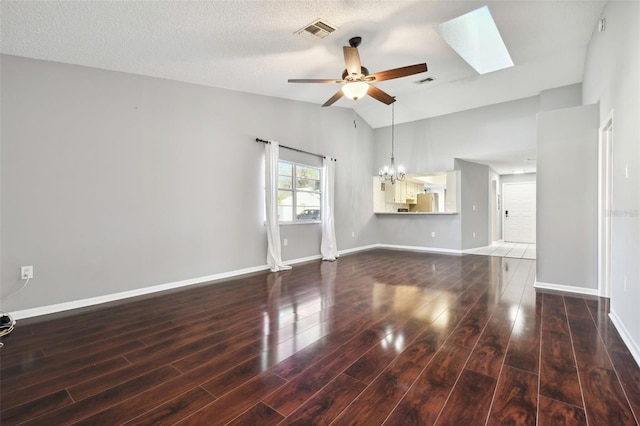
[396,193]
[413,189]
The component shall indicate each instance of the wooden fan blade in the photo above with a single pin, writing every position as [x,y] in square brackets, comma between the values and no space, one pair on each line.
[352,60]
[334,98]
[313,80]
[399,72]
[378,94]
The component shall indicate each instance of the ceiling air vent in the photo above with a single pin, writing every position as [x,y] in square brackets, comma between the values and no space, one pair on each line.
[424,80]
[317,29]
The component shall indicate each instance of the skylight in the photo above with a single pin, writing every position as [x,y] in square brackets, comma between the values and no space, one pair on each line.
[475,37]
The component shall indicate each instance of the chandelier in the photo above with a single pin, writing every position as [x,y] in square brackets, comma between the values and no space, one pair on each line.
[389,173]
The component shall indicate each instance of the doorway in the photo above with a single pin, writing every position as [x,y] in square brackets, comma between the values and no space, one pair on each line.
[519,207]
[605,147]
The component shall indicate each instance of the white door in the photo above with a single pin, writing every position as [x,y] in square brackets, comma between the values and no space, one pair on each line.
[519,212]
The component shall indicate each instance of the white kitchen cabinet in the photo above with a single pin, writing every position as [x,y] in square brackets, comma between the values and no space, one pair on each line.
[400,192]
[411,191]
[396,193]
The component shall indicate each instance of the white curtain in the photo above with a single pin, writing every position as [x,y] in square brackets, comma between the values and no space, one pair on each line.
[328,247]
[274,253]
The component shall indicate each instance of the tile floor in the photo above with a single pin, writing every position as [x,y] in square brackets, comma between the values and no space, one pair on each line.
[503,249]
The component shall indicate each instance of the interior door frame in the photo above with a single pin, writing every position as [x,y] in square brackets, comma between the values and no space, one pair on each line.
[605,197]
[504,208]
[495,214]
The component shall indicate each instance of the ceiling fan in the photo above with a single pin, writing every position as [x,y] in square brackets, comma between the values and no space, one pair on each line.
[356,78]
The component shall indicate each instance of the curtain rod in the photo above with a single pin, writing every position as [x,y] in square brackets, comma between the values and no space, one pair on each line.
[296,149]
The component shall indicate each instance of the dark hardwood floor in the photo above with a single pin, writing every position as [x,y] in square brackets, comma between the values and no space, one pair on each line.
[382,336]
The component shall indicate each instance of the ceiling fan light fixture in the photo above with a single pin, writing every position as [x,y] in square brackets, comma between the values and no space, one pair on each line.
[355,90]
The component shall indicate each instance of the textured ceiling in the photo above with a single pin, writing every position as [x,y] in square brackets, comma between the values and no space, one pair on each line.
[251,46]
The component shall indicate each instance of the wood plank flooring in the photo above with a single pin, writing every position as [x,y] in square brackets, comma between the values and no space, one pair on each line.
[378,337]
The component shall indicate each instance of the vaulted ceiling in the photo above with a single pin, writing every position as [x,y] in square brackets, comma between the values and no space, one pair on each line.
[252,46]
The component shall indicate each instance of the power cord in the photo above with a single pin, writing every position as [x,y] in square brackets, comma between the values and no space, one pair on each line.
[7,323]
[17,291]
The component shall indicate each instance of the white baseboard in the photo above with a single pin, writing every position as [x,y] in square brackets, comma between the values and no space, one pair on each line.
[357,249]
[83,303]
[420,248]
[301,260]
[626,337]
[565,288]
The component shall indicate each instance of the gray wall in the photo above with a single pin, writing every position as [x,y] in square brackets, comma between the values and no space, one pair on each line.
[432,144]
[415,231]
[561,97]
[611,78]
[113,182]
[474,194]
[567,197]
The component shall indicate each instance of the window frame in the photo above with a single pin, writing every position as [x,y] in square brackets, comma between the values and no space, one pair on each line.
[295,190]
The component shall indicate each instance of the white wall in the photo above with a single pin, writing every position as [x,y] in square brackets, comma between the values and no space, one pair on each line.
[113,182]
[611,78]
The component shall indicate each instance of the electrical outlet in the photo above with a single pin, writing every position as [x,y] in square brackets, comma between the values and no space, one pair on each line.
[353,234]
[474,207]
[285,242]
[474,235]
[26,272]
[433,234]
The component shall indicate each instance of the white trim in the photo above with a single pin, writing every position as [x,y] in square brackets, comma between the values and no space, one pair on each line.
[566,288]
[302,259]
[83,303]
[357,249]
[626,337]
[419,248]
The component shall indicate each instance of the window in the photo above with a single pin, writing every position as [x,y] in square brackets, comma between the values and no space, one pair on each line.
[298,192]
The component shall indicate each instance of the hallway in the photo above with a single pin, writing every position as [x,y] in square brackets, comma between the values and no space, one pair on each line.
[502,249]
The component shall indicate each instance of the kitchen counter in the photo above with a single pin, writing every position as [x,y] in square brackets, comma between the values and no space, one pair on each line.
[417,213]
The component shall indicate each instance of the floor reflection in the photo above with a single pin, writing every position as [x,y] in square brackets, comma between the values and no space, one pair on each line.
[301,310]
[296,316]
